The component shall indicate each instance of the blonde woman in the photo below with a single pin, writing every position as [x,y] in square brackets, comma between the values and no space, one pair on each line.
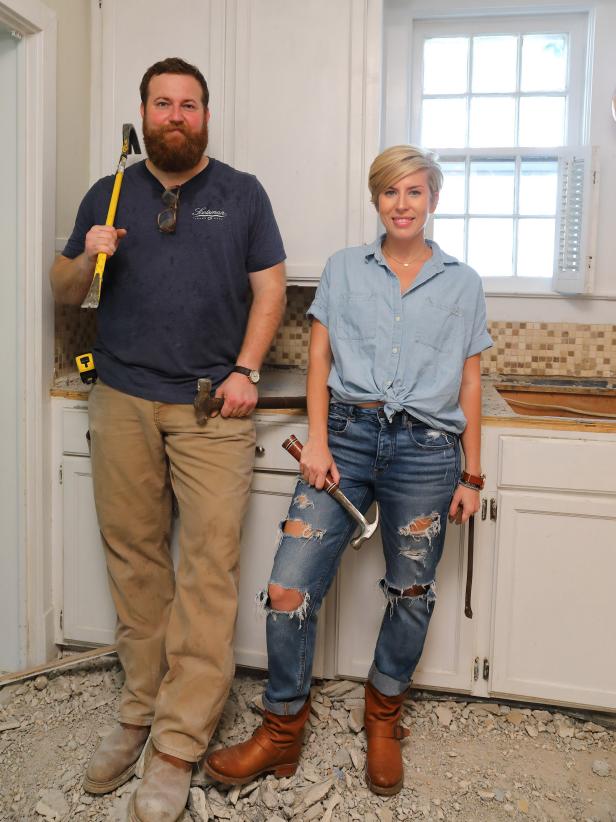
[393,390]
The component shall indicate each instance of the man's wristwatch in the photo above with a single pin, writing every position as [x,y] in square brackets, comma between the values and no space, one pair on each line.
[472,480]
[252,373]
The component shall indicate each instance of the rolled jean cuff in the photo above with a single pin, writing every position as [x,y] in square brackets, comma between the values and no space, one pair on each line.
[386,684]
[284,708]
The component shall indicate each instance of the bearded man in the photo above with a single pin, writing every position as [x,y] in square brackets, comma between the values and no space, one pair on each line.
[194,287]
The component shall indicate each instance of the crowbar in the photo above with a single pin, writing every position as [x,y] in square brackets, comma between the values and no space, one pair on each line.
[130,144]
[294,447]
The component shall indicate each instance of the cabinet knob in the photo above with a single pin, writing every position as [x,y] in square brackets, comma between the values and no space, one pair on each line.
[259,451]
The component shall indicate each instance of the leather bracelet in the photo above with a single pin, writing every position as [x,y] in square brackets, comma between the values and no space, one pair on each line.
[470,485]
[473,480]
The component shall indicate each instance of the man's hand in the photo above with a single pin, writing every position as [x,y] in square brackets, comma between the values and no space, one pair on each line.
[102,239]
[240,396]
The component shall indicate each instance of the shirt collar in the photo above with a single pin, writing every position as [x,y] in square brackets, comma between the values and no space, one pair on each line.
[435,265]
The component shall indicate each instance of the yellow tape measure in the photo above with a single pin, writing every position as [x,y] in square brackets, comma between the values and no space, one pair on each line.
[85,366]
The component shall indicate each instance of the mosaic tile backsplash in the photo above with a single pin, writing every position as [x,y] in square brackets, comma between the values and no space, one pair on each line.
[535,349]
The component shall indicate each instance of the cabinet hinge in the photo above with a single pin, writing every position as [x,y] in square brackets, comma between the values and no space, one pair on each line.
[484,508]
[61,620]
[493,509]
[486,670]
[60,475]
[476,669]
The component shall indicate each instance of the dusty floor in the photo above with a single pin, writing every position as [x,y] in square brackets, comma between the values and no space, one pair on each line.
[464,761]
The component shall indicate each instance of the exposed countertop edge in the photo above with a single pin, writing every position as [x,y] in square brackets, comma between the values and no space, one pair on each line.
[291,381]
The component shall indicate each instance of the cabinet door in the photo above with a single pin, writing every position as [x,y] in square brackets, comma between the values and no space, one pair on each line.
[447,657]
[553,632]
[89,615]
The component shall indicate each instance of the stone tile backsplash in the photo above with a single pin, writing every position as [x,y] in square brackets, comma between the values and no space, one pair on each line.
[531,348]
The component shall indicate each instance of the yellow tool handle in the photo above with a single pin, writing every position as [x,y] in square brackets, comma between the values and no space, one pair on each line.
[111,212]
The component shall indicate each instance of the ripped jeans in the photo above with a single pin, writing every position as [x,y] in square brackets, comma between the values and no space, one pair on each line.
[412,471]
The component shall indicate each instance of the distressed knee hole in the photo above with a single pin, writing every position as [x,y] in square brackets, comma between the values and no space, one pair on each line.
[284,599]
[424,527]
[298,528]
[411,597]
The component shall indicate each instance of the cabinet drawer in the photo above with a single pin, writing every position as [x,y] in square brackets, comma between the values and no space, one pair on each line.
[270,455]
[561,464]
[74,429]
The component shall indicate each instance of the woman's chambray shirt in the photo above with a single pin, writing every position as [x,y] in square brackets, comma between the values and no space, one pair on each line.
[407,350]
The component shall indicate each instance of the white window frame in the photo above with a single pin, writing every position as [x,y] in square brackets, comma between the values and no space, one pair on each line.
[576,27]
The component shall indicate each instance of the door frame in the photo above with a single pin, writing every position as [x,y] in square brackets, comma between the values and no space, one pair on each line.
[35,27]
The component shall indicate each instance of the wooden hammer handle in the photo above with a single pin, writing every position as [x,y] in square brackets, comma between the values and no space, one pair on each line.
[294,447]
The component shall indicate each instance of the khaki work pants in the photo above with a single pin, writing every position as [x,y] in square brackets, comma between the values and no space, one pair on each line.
[174,631]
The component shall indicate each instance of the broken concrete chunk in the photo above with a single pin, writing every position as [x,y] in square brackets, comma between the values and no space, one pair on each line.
[601,767]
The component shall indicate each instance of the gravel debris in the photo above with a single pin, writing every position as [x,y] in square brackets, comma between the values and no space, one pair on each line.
[465,761]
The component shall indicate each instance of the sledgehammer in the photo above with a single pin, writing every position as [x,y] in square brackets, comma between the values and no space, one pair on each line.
[130,143]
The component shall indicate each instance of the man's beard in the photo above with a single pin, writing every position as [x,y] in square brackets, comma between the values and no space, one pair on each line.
[181,156]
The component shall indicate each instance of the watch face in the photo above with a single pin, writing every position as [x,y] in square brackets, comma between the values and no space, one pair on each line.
[254,376]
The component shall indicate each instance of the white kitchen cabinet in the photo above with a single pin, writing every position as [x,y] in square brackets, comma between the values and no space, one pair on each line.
[447,660]
[553,632]
[294,99]
[555,566]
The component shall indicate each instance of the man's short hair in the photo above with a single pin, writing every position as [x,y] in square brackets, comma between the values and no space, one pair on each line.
[173,65]
[399,161]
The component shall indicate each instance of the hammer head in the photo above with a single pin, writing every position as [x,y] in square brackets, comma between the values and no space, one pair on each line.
[130,141]
[367,529]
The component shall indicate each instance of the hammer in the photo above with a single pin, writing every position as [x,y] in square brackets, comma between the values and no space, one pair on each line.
[130,143]
[205,402]
[294,447]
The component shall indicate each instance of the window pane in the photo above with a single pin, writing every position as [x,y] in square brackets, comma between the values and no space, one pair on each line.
[544,62]
[542,121]
[535,248]
[538,186]
[492,122]
[452,197]
[490,246]
[445,65]
[491,187]
[443,123]
[494,63]
[449,234]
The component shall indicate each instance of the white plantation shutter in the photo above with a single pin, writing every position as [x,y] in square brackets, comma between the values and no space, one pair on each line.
[575,236]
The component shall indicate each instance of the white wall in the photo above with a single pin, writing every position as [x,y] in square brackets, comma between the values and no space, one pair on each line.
[601,308]
[73,111]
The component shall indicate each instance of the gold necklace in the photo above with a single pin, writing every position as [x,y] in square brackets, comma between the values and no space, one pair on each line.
[401,262]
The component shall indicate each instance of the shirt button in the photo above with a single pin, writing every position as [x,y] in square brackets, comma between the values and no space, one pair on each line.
[388,384]
[395,350]
[397,319]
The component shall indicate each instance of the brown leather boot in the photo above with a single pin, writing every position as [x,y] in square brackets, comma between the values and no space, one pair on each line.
[384,768]
[114,761]
[273,748]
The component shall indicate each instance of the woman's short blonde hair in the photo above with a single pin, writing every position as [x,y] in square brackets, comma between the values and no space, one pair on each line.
[399,161]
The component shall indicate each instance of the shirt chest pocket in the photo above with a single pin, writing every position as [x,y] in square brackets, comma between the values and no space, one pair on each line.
[355,317]
[440,326]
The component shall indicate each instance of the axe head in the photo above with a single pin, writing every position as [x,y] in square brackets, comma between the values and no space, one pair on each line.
[130,141]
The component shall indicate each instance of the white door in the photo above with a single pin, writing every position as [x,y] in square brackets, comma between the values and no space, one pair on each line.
[88,612]
[554,627]
[446,661]
[12,565]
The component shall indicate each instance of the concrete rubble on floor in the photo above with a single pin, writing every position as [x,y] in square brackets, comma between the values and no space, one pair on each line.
[465,760]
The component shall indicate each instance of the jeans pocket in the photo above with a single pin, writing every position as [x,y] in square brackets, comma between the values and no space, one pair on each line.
[337,419]
[431,439]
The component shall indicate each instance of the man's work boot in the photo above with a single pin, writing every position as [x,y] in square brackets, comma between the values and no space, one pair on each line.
[114,761]
[384,768]
[163,792]
[273,748]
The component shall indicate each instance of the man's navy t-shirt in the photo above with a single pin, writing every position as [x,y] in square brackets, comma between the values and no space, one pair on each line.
[174,307]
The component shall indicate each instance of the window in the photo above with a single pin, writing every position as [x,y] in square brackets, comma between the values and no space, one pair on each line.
[502,102]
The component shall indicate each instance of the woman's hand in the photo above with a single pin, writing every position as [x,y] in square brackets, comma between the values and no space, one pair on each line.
[315,462]
[464,504]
